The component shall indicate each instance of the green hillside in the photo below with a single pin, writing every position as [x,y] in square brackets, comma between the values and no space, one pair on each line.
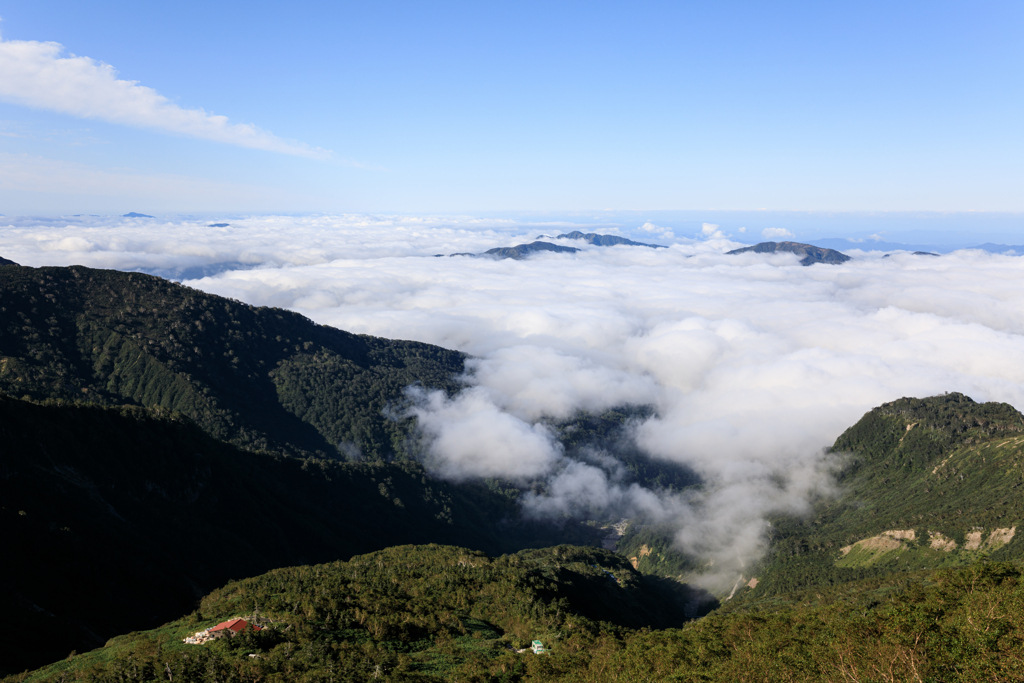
[116,519]
[923,484]
[430,613]
[120,518]
[926,483]
[410,610]
[157,442]
[261,378]
[115,512]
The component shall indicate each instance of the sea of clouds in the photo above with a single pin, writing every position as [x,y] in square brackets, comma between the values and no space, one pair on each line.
[753,363]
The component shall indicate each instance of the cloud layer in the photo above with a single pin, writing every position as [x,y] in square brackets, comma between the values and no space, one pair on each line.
[35,74]
[753,363]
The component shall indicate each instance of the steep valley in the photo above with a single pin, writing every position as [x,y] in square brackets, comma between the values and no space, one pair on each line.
[159,445]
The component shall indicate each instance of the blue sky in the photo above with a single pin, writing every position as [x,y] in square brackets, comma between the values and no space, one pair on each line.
[512,107]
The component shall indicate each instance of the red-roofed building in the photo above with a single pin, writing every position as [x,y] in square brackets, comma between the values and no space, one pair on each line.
[232,627]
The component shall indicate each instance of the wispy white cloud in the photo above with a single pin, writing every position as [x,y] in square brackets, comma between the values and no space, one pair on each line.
[663,232]
[36,74]
[775,233]
[710,231]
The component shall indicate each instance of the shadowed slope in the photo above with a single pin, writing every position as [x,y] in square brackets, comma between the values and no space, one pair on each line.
[261,378]
[115,519]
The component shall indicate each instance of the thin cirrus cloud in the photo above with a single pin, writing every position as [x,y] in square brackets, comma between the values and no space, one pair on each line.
[35,74]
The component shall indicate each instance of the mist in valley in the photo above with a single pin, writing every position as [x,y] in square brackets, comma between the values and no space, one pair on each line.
[743,369]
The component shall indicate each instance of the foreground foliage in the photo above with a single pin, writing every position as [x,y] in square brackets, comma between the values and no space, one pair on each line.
[437,612]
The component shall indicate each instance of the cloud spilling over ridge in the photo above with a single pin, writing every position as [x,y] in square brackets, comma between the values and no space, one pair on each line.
[35,74]
[753,363]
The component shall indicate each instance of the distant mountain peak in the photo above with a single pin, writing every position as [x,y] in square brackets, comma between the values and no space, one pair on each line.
[917,253]
[603,240]
[1014,249]
[810,254]
[132,214]
[520,251]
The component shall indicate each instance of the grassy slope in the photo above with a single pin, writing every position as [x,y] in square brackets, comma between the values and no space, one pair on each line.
[261,378]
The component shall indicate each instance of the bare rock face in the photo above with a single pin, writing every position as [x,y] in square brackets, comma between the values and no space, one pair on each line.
[809,253]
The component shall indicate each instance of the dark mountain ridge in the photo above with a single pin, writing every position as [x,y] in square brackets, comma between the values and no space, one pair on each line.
[603,240]
[809,253]
[261,378]
[522,251]
[518,252]
[120,518]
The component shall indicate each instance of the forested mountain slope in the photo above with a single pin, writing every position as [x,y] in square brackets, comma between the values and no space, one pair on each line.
[116,519]
[419,614]
[171,440]
[413,610]
[925,483]
[261,378]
